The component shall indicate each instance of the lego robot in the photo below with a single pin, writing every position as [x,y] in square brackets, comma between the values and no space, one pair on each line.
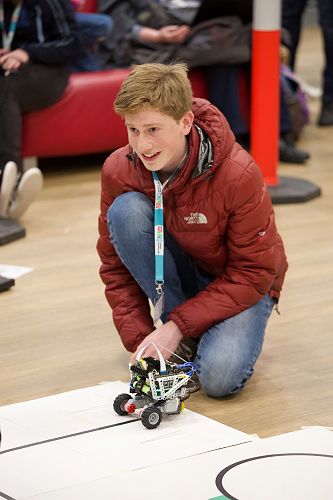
[157,387]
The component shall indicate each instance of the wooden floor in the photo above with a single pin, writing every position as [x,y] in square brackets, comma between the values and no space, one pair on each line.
[56,328]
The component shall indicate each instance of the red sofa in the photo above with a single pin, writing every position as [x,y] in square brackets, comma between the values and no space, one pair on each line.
[83,120]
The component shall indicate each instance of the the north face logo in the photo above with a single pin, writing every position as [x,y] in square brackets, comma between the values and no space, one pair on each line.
[196,218]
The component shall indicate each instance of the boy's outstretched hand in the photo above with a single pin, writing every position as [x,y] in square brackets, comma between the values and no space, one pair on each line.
[166,338]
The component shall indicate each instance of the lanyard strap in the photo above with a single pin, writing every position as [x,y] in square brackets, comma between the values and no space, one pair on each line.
[7,38]
[158,234]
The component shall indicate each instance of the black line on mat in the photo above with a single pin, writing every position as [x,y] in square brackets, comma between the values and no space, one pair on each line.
[67,436]
[3,495]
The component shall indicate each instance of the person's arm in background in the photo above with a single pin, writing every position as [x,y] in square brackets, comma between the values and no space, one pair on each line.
[166,35]
[12,60]
[55,26]
[114,50]
[61,43]
[117,49]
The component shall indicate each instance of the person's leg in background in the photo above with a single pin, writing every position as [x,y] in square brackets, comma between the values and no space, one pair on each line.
[228,351]
[223,92]
[92,29]
[223,84]
[292,11]
[288,152]
[27,90]
[325,8]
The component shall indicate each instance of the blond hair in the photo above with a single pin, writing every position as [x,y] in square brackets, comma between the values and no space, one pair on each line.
[162,87]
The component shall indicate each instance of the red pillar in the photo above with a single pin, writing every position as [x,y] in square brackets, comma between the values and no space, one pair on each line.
[265,89]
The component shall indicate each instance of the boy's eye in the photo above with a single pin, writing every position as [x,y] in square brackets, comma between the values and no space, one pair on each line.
[132,129]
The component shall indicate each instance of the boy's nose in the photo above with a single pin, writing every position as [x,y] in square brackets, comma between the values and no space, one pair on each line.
[144,146]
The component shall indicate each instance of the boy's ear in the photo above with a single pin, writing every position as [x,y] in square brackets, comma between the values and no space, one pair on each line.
[187,122]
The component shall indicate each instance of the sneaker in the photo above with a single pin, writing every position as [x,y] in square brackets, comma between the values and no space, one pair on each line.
[193,384]
[8,184]
[28,188]
[187,351]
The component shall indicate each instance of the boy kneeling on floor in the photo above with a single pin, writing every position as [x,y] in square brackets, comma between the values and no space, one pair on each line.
[186,221]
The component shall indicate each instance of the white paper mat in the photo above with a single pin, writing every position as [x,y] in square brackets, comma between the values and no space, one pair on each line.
[293,470]
[82,439]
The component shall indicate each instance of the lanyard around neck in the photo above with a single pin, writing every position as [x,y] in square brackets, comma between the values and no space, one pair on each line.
[7,38]
[158,234]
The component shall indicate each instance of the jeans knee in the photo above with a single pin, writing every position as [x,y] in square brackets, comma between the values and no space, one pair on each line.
[129,215]
[130,208]
[218,384]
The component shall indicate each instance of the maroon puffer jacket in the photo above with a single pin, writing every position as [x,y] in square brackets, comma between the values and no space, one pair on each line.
[236,241]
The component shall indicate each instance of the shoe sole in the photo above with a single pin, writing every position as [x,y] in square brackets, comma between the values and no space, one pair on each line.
[29,187]
[9,179]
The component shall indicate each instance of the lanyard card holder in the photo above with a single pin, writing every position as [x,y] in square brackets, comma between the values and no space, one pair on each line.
[159,249]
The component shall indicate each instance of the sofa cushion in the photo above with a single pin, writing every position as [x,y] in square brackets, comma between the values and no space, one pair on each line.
[83,121]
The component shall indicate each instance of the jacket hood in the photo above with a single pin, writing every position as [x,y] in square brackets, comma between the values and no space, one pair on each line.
[216,129]
[211,141]
[205,154]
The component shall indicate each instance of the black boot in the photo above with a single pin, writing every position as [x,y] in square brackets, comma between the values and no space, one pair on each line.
[289,153]
[326,115]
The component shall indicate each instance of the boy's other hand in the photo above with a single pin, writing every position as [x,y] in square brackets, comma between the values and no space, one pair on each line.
[166,338]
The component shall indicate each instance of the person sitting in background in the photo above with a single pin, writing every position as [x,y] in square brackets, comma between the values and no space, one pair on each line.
[157,32]
[92,29]
[38,42]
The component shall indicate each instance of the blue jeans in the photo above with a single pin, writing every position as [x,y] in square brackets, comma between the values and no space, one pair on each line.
[228,350]
[92,28]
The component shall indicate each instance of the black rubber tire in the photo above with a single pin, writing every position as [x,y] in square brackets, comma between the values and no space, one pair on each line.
[151,417]
[118,403]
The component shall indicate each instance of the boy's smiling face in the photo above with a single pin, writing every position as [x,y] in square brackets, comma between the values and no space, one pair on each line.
[158,139]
